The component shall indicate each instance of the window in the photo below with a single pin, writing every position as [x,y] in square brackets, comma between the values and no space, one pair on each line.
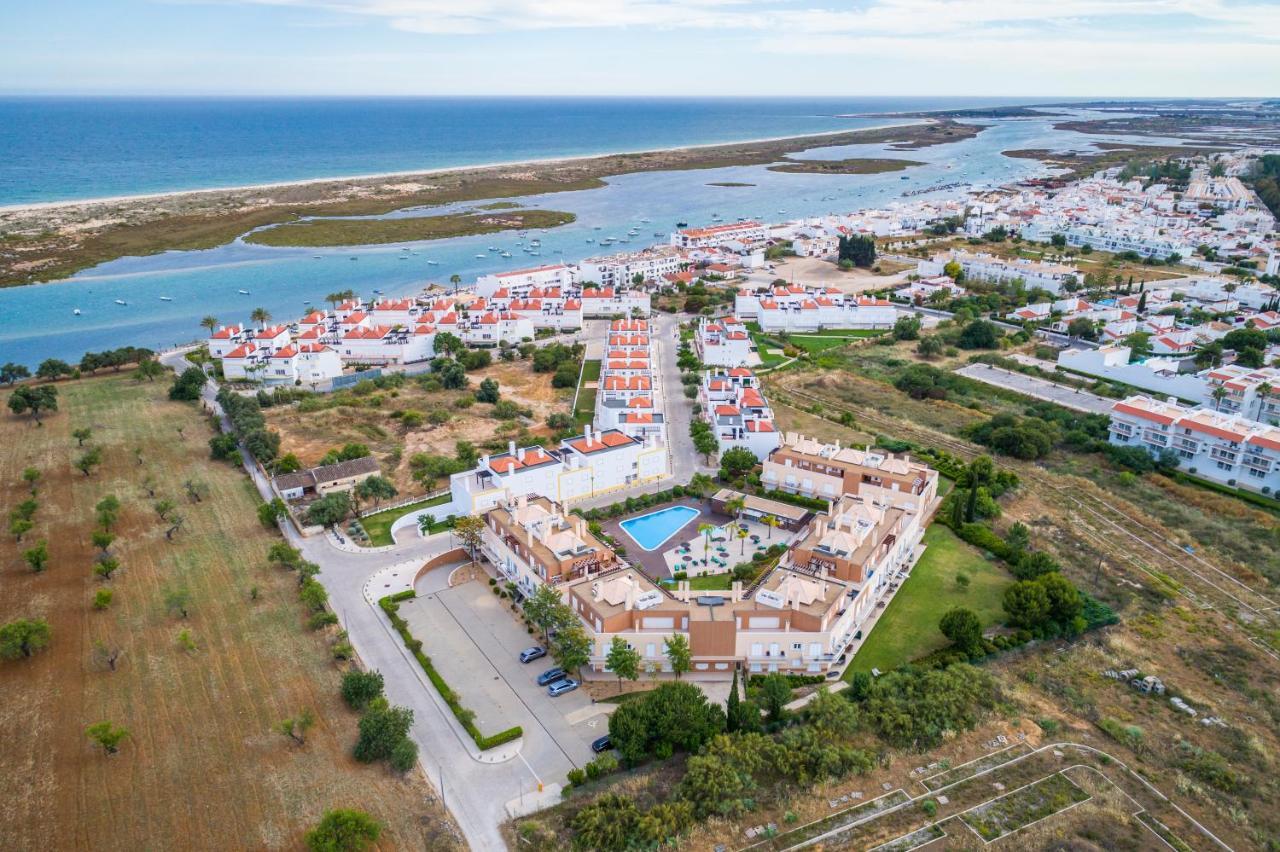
[797,646]
[757,649]
[1224,466]
[1257,474]
[815,649]
[651,649]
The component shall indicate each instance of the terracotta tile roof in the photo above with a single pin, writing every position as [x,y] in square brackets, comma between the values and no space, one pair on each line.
[604,440]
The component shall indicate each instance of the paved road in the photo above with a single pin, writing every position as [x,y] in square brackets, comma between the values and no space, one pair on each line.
[1037,388]
[557,732]
[476,793]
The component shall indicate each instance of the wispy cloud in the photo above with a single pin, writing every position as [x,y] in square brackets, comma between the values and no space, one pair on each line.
[1251,21]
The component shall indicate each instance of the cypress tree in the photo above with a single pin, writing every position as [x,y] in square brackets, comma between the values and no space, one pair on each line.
[731,706]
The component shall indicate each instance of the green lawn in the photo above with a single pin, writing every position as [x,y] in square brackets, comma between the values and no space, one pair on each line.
[815,343]
[586,408]
[379,526]
[711,583]
[909,628]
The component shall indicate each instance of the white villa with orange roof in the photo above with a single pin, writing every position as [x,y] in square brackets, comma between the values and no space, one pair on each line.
[594,463]
[737,411]
[798,309]
[1232,449]
[724,343]
[629,394]
[733,234]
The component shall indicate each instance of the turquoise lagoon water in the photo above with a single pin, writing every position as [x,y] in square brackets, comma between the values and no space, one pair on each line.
[38,321]
[651,531]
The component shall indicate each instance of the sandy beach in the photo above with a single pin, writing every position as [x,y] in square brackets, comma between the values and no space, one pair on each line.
[51,241]
[421,173]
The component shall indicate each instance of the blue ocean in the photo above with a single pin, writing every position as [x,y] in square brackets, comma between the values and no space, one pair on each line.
[60,149]
[54,149]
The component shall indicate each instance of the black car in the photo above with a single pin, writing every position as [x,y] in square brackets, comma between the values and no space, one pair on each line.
[551,675]
[602,744]
[528,655]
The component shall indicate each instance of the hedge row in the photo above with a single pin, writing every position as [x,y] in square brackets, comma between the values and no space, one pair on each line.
[1260,500]
[390,605]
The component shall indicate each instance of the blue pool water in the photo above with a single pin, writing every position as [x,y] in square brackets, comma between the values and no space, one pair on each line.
[652,530]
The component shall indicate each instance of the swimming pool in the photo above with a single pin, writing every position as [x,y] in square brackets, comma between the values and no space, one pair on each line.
[652,530]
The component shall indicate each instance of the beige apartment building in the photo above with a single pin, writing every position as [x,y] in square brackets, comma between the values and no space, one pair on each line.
[808,467]
[532,540]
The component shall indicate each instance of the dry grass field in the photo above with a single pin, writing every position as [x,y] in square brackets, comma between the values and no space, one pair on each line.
[352,417]
[201,767]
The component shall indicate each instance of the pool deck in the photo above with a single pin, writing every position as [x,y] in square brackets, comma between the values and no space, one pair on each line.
[653,562]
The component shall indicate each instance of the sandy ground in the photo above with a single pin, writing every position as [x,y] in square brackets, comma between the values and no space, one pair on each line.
[817,272]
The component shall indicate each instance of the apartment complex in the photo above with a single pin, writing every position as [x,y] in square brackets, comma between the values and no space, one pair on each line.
[808,467]
[620,270]
[802,617]
[733,235]
[737,411]
[629,394]
[794,308]
[1232,449]
[595,463]
[987,267]
[532,540]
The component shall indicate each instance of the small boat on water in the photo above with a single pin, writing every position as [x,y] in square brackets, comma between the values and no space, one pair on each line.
[682,224]
[493,248]
[433,263]
[317,256]
[379,292]
[243,292]
[590,239]
[353,257]
[404,257]
[121,302]
[75,312]
[505,254]
[597,227]
[481,256]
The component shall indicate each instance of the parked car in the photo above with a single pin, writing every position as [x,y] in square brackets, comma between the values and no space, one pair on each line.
[560,687]
[528,655]
[602,744]
[551,676]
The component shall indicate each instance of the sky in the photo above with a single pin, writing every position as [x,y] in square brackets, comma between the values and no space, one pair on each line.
[1034,48]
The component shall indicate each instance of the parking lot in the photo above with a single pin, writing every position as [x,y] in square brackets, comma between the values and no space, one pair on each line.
[475,642]
[1031,386]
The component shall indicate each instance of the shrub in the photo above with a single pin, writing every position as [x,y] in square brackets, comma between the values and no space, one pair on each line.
[343,830]
[359,688]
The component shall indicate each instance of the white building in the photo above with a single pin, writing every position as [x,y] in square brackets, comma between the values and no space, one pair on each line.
[737,411]
[1228,448]
[733,235]
[986,267]
[555,275]
[724,343]
[588,466]
[621,269]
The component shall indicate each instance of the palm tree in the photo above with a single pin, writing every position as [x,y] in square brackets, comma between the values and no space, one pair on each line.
[700,484]
[210,322]
[456,281]
[261,316]
[1219,394]
[735,506]
[742,537]
[771,521]
[1263,391]
[705,531]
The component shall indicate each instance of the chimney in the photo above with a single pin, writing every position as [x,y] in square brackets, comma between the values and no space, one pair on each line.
[511,447]
[735,591]
[520,455]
